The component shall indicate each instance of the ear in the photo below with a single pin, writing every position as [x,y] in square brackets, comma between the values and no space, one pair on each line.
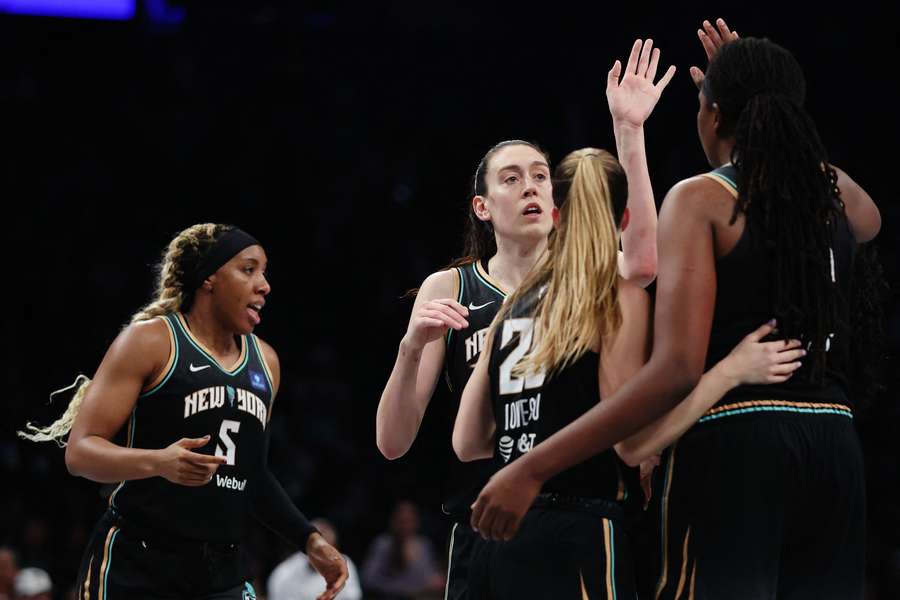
[554,213]
[479,207]
[626,219]
[208,283]
[717,117]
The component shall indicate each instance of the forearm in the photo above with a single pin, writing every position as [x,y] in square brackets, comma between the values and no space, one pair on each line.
[639,238]
[664,431]
[402,406]
[272,507]
[653,391]
[98,459]
[473,432]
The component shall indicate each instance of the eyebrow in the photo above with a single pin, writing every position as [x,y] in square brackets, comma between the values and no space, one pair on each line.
[538,163]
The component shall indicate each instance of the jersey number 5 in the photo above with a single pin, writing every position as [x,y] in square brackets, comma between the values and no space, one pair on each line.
[509,383]
[226,447]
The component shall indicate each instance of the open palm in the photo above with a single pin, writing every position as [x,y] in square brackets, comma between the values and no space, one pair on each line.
[632,99]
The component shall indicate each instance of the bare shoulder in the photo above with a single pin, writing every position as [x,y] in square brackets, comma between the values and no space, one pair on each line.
[147,338]
[697,196]
[441,284]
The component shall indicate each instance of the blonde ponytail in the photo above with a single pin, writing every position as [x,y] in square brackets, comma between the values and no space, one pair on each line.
[579,302]
[60,428]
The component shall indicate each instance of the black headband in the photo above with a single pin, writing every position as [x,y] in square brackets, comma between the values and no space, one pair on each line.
[224,248]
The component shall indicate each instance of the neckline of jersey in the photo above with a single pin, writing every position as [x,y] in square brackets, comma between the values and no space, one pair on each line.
[196,343]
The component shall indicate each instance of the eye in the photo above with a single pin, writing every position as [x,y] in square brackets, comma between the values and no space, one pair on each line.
[541,177]
[248,269]
[511,179]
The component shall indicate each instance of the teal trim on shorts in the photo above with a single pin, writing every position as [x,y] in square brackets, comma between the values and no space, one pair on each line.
[791,409]
[612,557]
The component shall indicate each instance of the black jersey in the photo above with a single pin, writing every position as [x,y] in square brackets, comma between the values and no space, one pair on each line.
[529,409]
[483,297]
[744,302]
[195,397]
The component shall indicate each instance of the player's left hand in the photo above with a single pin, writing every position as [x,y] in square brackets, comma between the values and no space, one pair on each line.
[499,508]
[632,99]
[329,563]
[712,39]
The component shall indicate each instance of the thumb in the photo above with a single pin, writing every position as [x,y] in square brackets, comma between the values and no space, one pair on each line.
[612,78]
[697,76]
[762,331]
[193,442]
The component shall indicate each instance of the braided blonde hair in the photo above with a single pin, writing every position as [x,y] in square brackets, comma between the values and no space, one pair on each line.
[179,261]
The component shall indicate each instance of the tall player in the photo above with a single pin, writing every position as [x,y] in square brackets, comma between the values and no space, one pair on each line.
[512,215]
[177,415]
[773,477]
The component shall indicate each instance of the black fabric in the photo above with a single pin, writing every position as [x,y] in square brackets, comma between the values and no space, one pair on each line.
[744,301]
[767,507]
[230,243]
[199,397]
[462,542]
[465,480]
[124,563]
[556,555]
[527,410]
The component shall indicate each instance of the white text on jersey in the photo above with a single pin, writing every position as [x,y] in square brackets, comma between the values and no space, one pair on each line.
[217,396]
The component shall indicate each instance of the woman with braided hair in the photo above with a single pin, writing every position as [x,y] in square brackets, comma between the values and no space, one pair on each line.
[177,415]
[769,483]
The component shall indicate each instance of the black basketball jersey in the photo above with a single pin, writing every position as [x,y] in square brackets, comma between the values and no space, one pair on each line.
[197,396]
[483,297]
[744,301]
[529,409]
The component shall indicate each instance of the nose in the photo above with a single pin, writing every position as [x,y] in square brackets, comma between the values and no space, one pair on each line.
[264,288]
[530,187]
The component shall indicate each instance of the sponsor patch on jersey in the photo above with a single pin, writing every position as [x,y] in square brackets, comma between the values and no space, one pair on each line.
[248,593]
[258,381]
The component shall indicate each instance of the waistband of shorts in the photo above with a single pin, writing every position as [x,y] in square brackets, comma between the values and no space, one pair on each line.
[761,407]
[162,539]
[600,507]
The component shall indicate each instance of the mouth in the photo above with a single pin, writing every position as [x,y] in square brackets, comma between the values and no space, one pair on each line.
[532,208]
[253,311]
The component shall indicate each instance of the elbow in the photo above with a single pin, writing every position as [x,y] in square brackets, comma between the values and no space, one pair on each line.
[389,448]
[642,271]
[462,450]
[73,462]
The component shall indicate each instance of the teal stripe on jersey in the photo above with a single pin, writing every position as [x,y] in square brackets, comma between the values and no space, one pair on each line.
[109,563]
[612,557]
[171,369]
[486,282]
[726,178]
[459,297]
[237,370]
[793,409]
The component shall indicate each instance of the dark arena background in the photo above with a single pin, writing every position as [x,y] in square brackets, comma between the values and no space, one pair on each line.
[344,136]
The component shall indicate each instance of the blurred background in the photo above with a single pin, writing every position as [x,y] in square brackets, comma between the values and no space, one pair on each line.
[344,136]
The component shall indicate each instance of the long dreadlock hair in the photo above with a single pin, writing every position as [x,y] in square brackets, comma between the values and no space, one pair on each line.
[786,189]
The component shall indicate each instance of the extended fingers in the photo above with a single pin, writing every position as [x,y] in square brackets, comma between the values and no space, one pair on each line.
[644,62]
[462,310]
[708,46]
[654,63]
[632,65]
[714,35]
[451,317]
[670,73]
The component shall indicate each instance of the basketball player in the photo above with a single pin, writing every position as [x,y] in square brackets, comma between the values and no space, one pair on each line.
[781,513]
[512,215]
[572,333]
[177,415]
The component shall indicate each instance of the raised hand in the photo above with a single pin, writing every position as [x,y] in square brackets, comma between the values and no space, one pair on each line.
[632,99]
[712,39]
[756,362]
[179,464]
[329,563]
[433,319]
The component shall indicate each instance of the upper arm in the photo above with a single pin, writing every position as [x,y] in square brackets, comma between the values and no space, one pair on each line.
[136,358]
[686,281]
[863,215]
[626,352]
